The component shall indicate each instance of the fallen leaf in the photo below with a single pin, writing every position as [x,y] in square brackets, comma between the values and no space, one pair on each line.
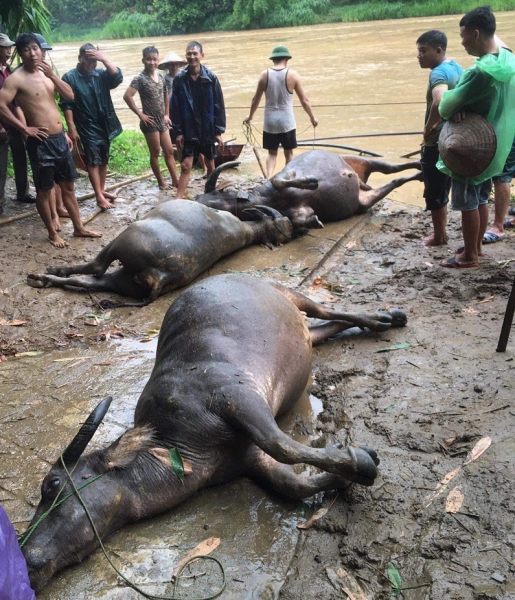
[344,580]
[471,311]
[429,264]
[454,500]
[400,346]
[72,335]
[163,454]
[12,322]
[478,449]
[107,333]
[485,300]
[30,353]
[449,442]
[395,579]
[442,485]
[91,322]
[106,363]
[386,305]
[145,340]
[351,244]
[177,463]
[203,549]
[105,317]
[321,512]
[317,281]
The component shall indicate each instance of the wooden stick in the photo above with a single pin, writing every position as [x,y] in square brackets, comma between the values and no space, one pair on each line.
[410,154]
[259,162]
[508,319]
[87,196]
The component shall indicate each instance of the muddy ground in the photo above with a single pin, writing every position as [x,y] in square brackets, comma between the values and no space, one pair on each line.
[423,407]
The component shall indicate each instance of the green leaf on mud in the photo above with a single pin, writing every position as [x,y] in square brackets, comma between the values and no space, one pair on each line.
[176,462]
[104,317]
[400,346]
[395,579]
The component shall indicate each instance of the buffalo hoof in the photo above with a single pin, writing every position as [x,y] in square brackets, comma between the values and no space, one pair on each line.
[399,318]
[382,321]
[364,462]
[38,281]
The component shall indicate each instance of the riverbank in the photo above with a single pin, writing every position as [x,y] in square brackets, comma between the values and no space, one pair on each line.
[126,25]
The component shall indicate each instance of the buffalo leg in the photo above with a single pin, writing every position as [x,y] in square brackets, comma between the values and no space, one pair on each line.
[381,321]
[365,166]
[119,282]
[367,198]
[247,411]
[282,478]
[98,266]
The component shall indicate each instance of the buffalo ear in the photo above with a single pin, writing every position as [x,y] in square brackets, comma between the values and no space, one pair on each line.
[86,432]
[123,452]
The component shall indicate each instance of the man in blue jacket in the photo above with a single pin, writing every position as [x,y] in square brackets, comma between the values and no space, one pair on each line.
[91,115]
[198,114]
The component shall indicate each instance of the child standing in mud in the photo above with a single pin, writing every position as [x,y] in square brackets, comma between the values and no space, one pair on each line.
[445,74]
[154,116]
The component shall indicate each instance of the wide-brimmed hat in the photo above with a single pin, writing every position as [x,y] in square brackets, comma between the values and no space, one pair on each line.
[5,42]
[171,57]
[280,52]
[467,147]
[42,42]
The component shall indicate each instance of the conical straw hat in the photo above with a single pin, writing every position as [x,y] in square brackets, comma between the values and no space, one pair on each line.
[468,147]
[171,57]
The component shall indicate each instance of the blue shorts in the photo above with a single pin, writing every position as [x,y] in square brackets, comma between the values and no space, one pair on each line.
[508,173]
[466,196]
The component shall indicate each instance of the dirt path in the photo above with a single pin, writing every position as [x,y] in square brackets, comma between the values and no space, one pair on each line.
[422,407]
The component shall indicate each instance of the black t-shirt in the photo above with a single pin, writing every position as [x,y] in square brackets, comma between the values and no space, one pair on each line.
[198,100]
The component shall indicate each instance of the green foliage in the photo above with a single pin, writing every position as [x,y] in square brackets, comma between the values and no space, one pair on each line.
[185,16]
[129,154]
[127,25]
[252,14]
[18,16]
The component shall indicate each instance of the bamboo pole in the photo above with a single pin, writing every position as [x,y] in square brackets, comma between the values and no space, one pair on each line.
[360,150]
[259,162]
[87,196]
[362,135]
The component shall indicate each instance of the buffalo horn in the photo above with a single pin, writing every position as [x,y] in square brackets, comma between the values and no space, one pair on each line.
[271,212]
[86,432]
[213,178]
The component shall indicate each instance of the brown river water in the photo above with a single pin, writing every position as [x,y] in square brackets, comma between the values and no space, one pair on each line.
[361,78]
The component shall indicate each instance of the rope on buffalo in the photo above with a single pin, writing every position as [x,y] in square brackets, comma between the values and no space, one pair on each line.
[120,574]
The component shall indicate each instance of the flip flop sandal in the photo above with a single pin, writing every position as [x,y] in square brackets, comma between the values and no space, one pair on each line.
[452,263]
[508,225]
[492,238]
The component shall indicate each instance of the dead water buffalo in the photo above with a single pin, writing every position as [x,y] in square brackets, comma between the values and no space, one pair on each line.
[314,187]
[234,352]
[167,249]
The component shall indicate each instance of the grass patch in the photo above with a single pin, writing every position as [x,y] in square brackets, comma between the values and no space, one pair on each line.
[129,154]
[376,11]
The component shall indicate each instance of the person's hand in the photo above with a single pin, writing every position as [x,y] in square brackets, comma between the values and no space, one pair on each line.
[179,142]
[41,133]
[220,141]
[314,121]
[246,120]
[146,119]
[3,134]
[168,121]
[73,135]
[47,70]
[459,116]
[68,141]
[96,54]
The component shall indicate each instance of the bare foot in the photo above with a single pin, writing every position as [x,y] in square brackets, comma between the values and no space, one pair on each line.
[56,223]
[461,250]
[110,196]
[166,186]
[58,241]
[62,212]
[434,241]
[86,233]
[104,204]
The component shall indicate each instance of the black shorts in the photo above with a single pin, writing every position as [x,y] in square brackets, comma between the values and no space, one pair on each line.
[436,184]
[51,161]
[96,154]
[196,148]
[287,140]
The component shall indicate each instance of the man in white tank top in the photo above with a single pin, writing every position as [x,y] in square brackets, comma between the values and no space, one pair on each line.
[278,85]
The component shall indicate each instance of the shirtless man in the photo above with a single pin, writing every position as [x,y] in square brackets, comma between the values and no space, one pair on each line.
[278,85]
[33,86]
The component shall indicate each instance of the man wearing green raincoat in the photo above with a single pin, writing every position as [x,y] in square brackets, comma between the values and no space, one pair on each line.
[488,89]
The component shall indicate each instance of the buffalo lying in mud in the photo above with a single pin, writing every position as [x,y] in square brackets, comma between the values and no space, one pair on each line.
[314,187]
[167,249]
[234,352]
